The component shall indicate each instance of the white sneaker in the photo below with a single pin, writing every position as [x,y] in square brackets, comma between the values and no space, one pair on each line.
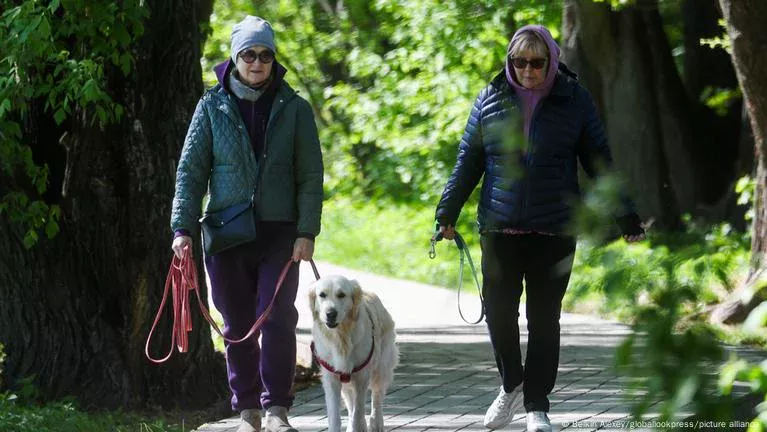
[250,420]
[503,408]
[276,420]
[538,421]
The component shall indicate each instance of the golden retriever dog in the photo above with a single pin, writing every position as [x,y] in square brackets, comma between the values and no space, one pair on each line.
[354,344]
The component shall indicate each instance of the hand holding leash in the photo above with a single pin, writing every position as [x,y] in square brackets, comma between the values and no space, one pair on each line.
[447,232]
[180,243]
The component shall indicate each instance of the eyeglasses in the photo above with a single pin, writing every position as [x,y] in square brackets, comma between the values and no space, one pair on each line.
[249,56]
[521,63]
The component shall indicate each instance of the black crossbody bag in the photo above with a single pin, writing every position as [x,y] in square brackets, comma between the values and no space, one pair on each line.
[229,227]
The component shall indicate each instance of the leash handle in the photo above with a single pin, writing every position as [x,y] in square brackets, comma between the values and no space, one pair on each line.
[180,275]
[434,239]
[182,278]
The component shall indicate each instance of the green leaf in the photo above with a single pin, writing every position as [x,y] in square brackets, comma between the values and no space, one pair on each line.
[125,63]
[30,238]
[118,111]
[5,106]
[121,35]
[729,373]
[11,15]
[51,228]
[102,115]
[44,29]
[623,352]
[89,92]
[59,116]
[29,28]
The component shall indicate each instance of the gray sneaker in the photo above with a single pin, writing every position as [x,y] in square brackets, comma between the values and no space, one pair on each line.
[276,420]
[503,408]
[250,420]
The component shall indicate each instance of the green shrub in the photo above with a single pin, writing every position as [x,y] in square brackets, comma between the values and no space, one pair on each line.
[622,275]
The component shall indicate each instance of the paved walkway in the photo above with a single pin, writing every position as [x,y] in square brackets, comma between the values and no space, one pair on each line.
[447,375]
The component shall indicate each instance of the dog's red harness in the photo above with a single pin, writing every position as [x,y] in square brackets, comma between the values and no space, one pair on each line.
[343,376]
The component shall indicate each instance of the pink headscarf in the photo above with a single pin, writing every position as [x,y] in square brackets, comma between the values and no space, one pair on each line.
[531,97]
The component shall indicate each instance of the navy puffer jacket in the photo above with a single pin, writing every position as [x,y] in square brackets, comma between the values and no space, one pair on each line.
[529,184]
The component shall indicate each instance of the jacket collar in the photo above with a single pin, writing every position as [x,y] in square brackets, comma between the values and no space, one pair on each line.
[226,102]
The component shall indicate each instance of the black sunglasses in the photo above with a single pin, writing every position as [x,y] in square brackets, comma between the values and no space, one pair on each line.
[249,56]
[521,63]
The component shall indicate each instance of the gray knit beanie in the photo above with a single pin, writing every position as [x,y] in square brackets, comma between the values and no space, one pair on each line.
[251,31]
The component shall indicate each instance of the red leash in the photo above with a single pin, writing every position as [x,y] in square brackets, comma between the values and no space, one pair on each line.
[182,278]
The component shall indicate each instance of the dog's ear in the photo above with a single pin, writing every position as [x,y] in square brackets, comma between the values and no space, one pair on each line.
[356,299]
[313,299]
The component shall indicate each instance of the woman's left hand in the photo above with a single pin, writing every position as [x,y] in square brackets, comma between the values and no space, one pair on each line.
[634,238]
[303,249]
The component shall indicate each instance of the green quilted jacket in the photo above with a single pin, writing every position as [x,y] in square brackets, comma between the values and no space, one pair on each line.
[218,158]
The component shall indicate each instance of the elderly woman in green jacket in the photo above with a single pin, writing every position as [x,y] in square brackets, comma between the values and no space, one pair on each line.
[253,144]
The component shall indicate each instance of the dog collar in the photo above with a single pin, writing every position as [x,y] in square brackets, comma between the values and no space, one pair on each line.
[344,376]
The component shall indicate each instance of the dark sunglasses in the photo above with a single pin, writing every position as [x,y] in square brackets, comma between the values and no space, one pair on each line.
[249,56]
[521,63]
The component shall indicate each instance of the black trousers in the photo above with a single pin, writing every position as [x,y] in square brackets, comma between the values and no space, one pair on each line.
[544,263]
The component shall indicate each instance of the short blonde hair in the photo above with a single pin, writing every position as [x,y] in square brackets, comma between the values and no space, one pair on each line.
[529,41]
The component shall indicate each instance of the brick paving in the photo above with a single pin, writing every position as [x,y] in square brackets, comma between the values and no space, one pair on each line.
[447,376]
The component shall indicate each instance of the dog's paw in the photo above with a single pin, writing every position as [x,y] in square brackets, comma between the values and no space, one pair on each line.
[375,426]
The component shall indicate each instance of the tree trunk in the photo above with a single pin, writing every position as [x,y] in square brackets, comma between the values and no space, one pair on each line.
[745,24]
[76,310]
[618,52]
[708,69]
[653,124]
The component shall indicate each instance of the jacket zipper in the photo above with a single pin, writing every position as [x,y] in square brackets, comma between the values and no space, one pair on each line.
[528,158]
[283,104]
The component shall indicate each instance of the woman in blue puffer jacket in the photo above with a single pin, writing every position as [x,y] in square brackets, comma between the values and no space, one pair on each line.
[526,133]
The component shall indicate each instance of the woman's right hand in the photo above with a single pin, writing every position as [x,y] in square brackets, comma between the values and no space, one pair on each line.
[179,243]
[447,232]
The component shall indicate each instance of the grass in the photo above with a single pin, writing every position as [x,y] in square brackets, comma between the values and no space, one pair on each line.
[65,417]
[391,240]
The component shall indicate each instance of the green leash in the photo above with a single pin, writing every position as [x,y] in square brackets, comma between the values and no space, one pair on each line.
[465,256]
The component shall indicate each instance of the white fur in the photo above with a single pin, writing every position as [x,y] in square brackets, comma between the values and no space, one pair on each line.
[360,316]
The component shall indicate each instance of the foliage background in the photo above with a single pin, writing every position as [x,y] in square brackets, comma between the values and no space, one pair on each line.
[391,83]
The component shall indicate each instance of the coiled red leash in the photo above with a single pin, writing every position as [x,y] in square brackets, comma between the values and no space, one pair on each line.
[182,278]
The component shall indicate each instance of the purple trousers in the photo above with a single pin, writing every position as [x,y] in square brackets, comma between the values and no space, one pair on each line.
[243,280]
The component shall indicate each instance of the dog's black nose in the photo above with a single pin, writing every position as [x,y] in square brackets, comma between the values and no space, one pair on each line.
[332,315]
